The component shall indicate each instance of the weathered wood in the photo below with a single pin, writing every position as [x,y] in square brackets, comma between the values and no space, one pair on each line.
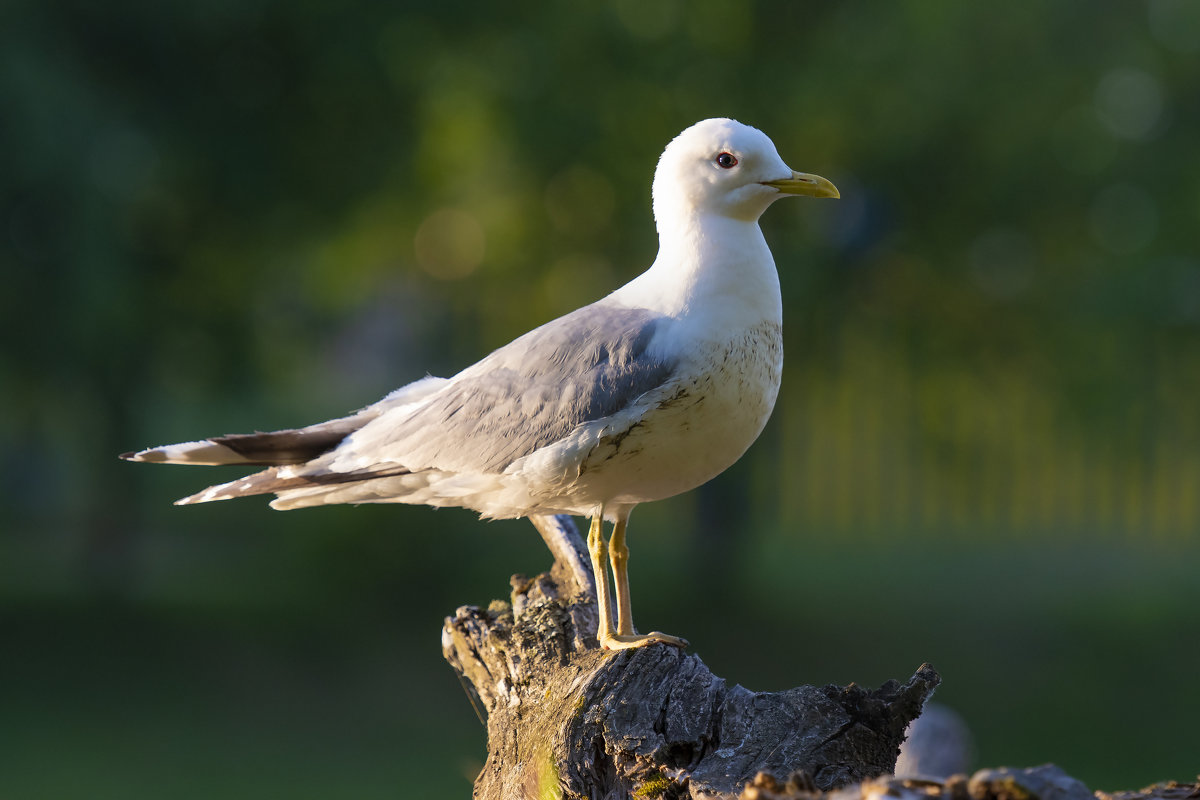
[566,719]
[1047,782]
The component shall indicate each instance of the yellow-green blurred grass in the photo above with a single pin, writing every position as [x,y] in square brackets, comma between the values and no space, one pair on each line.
[874,443]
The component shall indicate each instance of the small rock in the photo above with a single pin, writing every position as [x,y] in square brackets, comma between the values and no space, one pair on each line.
[937,744]
[1046,782]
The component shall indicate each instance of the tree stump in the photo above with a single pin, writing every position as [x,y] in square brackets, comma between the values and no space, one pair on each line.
[568,720]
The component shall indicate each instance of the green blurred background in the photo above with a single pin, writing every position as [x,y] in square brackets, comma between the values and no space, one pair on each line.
[226,216]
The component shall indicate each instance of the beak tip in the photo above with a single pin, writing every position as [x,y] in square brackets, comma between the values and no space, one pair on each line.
[802,183]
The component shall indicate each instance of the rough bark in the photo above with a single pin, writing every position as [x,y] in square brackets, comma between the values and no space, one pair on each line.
[568,720]
[1046,782]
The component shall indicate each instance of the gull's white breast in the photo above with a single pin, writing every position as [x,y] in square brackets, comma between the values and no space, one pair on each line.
[701,425]
[675,438]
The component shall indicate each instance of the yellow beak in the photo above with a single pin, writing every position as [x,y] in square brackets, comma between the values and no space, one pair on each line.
[804,184]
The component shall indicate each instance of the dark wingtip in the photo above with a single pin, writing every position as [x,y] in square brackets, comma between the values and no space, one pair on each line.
[151,456]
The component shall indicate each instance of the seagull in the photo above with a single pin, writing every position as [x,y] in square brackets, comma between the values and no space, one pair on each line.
[644,394]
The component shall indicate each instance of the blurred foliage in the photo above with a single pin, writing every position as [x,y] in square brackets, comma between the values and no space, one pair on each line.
[226,216]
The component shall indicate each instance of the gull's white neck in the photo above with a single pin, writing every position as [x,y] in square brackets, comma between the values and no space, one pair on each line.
[711,265]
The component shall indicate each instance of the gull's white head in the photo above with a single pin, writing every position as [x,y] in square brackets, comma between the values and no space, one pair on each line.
[722,167]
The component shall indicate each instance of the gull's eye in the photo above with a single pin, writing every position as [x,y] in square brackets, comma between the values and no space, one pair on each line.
[726,160]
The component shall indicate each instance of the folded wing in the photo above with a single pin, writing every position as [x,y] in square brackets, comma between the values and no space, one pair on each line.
[587,366]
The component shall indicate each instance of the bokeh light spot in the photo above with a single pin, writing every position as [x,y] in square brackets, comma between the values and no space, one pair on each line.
[449,244]
[1130,103]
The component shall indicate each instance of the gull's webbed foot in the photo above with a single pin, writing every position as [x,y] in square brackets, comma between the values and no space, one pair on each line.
[624,641]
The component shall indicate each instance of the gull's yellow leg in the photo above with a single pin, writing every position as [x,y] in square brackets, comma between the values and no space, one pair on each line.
[599,552]
[625,636]
[618,554]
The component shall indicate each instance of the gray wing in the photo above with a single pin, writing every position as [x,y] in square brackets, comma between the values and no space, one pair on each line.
[531,393]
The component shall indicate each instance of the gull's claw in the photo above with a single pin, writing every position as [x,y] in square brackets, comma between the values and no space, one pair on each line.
[618,641]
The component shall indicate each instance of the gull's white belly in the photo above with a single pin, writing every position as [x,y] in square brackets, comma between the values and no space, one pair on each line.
[701,427]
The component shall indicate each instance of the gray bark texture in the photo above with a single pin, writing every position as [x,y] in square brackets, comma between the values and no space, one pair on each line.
[1046,782]
[568,720]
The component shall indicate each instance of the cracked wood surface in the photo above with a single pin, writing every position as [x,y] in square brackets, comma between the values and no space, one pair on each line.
[567,720]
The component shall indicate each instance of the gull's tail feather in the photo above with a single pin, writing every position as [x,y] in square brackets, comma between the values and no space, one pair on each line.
[293,446]
[280,450]
[286,481]
[259,483]
[275,449]
[208,452]
[256,449]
